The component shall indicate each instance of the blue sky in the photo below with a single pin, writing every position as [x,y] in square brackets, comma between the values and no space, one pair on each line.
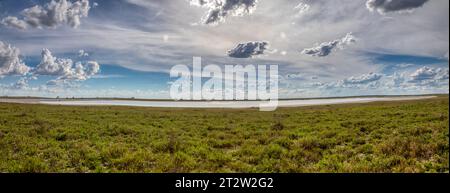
[323,48]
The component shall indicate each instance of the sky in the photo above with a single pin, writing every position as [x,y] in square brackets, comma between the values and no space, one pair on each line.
[126,48]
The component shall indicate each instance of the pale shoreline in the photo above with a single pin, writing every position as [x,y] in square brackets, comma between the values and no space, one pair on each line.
[209,104]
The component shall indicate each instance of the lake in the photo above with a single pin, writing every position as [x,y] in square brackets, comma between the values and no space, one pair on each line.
[212,104]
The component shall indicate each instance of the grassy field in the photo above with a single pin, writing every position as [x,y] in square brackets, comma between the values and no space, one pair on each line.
[408,136]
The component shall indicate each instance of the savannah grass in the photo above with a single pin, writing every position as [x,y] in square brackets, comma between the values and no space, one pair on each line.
[406,136]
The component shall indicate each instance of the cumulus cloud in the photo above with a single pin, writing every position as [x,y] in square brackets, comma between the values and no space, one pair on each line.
[220,9]
[425,78]
[65,69]
[92,68]
[249,49]
[14,22]
[326,48]
[384,6]
[426,75]
[82,71]
[363,79]
[82,53]
[22,83]
[10,62]
[57,84]
[53,66]
[51,15]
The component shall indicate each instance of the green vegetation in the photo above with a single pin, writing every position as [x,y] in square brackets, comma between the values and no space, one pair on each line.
[407,136]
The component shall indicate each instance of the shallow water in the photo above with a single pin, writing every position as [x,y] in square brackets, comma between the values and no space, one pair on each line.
[222,104]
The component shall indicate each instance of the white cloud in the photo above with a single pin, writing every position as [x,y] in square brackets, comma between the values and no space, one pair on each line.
[132,47]
[22,83]
[10,62]
[220,9]
[363,79]
[14,22]
[83,53]
[361,82]
[384,6]
[92,68]
[326,48]
[51,15]
[429,75]
[65,69]
[422,79]
[53,66]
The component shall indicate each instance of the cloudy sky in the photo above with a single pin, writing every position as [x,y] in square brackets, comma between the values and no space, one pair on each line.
[126,48]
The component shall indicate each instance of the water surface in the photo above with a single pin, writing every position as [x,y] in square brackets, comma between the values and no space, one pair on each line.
[222,104]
